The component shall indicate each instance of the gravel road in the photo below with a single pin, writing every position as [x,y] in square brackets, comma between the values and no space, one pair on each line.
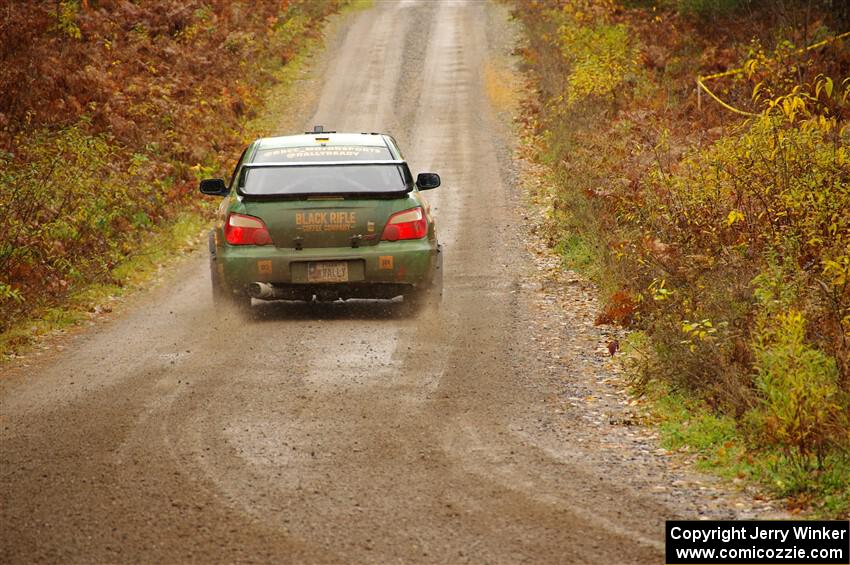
[347,432]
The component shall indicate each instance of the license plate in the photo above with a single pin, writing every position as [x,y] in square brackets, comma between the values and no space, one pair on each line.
[327,271]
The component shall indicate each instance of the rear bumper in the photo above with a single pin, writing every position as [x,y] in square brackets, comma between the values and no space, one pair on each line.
[397,264]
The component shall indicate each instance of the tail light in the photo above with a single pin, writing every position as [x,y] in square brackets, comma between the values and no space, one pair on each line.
[246,230]
[409,224]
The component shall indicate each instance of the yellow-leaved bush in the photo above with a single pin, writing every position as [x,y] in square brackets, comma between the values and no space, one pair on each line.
[601,59]
[752,227]
[801,410]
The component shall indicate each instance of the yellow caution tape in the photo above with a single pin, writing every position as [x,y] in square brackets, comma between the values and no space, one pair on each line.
[721,102]
[701,84]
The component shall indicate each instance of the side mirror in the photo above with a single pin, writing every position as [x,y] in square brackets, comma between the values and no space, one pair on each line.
[214,187]
[427,181]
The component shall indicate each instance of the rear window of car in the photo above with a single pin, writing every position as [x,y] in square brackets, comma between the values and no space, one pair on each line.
[323,153]
[324,179]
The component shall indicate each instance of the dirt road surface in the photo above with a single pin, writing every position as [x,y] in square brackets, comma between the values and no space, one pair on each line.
[338,432]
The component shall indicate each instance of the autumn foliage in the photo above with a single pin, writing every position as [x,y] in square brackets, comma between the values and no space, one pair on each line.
[109,112]
[722,231]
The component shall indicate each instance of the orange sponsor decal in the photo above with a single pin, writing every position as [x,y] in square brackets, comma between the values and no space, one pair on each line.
[385,262]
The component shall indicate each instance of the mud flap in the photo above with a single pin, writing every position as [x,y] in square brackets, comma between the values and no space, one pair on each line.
[430,297]
[223,298]
[437,281]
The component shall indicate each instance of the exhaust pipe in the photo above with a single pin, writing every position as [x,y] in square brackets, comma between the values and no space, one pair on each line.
[266,291]
[261,290]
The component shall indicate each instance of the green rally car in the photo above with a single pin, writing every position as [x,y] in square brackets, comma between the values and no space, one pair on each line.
[324,216]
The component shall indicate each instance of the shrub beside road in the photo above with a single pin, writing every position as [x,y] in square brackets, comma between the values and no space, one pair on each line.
[719,230]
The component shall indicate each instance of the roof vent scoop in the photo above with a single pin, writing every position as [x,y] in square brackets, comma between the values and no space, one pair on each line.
[319,130]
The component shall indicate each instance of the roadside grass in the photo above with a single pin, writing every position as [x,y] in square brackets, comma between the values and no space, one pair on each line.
[162,247]
[577,254]
[568,225]
[355,5]
[717,445]
[716,442]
